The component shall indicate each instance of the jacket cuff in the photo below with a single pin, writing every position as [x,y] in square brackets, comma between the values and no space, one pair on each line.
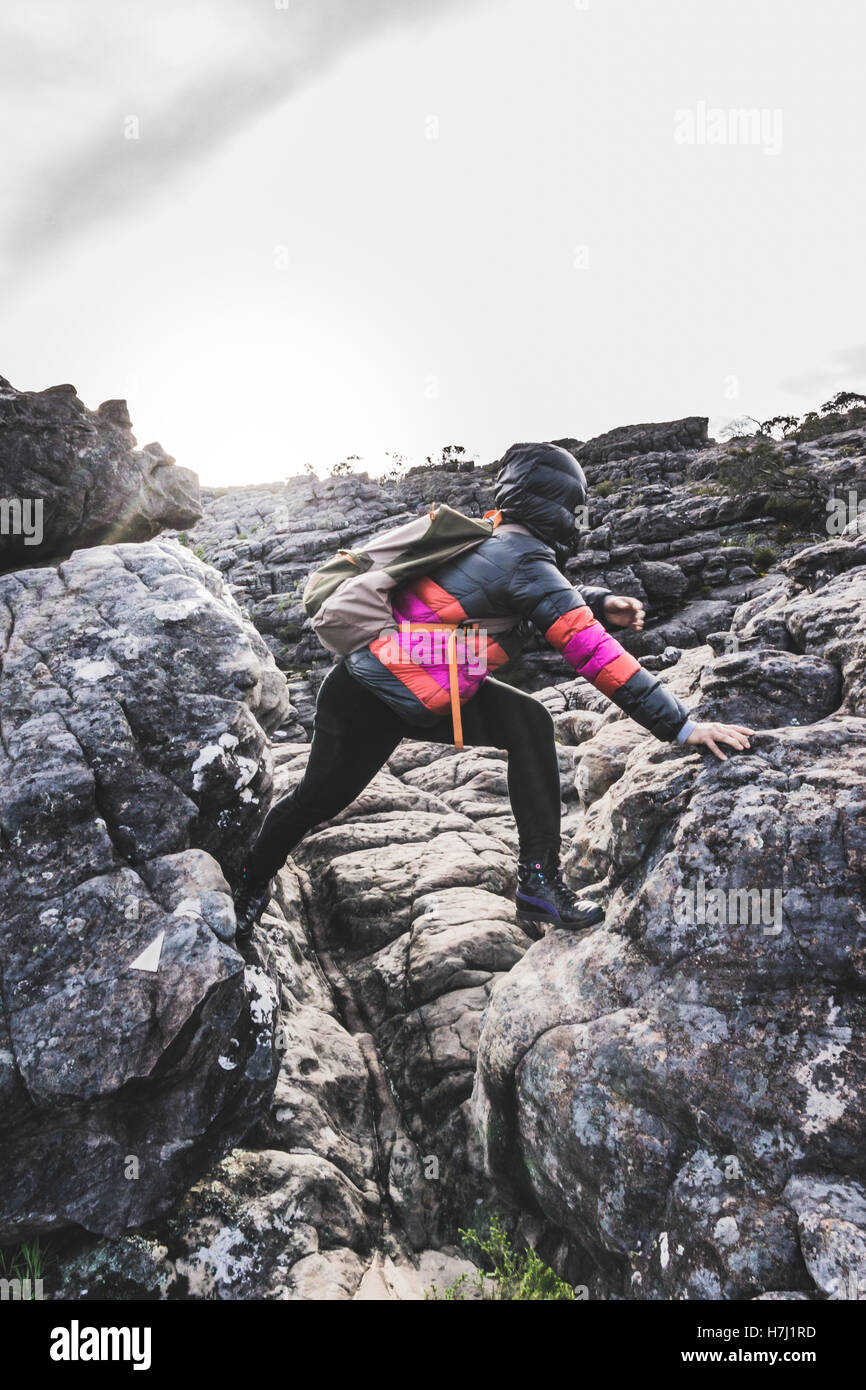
[594,598]
[685,731]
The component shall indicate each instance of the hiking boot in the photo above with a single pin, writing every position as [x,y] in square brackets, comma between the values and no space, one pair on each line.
[251,897]
[543,896]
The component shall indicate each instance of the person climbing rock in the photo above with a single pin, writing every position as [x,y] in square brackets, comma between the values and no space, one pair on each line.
[380,694]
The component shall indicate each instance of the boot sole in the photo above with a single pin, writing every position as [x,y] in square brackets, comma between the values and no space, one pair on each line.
[537,915]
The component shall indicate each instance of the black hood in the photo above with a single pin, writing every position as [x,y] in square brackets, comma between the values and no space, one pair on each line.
[542,486]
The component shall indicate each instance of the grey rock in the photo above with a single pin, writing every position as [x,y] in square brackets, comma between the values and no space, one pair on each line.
[767,689]
[643,1100]
[83,467]
[664,584]
[656,1087]
[126,782]
[831,1218]
[628,440]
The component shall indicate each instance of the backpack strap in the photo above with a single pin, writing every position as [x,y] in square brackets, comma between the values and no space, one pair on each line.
[456,712]
[453,682]
[451,629]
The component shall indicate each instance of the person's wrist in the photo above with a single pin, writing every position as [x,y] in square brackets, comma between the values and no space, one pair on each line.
[685,731]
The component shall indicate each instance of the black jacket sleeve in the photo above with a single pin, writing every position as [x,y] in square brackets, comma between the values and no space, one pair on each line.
[540,592]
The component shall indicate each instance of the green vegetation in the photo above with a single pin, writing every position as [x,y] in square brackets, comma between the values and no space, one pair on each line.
[397,469]
[30,1260]
[846,410]
[608,485]
[345,467]
[764,557]
[297,673]
[506,1275]
[183,539]
[454,459]
[794,492]
[790,535]
[706,490]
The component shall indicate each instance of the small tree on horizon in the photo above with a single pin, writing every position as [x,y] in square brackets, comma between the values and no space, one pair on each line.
[397,469]
[739,428]
[779,427]
[345,466]
[451,453]
[842,402]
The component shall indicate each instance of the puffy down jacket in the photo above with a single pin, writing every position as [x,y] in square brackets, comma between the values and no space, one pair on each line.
[511,582]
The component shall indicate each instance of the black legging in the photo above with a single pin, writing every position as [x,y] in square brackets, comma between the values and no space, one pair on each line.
[355,733]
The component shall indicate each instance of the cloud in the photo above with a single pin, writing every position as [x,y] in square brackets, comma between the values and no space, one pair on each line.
[195,75]
[849,363]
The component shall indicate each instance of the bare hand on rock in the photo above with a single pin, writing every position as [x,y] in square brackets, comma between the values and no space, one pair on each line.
[711,735]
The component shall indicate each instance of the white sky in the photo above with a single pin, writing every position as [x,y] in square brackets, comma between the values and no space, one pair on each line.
[430,292]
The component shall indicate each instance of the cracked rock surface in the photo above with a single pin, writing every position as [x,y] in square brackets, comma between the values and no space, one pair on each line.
[325,1197]
[681,1091]
[134,1045]
[669,1105]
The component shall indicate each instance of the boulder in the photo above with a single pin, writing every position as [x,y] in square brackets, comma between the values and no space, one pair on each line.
[765,689]
[134,1044]
[831,1220]
[664,584]
[658,1087]
[628,440]
[404,895]
[82,472]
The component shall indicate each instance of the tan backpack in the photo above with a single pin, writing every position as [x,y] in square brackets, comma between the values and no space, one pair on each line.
[348,598]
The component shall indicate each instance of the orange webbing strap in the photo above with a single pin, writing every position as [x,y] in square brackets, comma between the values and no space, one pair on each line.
[456,714]
[497,517]
[453,682]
